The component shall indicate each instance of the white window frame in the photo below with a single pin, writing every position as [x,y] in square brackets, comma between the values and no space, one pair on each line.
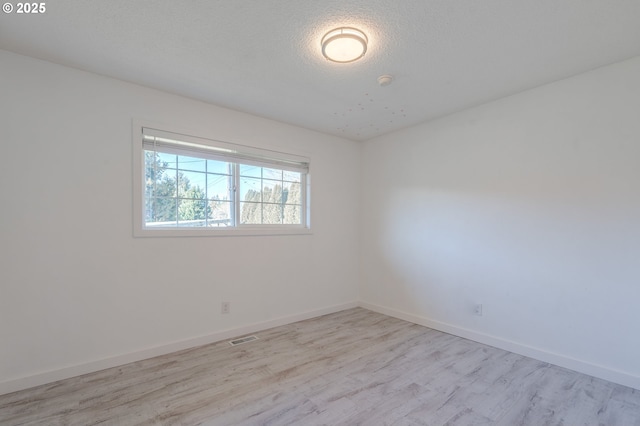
[229,152]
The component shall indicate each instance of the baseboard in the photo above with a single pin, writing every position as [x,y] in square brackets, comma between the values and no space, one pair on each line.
[601,372]
[115,361]
[584,367]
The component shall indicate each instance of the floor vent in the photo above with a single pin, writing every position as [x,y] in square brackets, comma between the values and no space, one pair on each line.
[243,340]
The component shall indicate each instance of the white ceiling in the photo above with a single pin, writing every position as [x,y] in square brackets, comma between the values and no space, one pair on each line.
[263,56]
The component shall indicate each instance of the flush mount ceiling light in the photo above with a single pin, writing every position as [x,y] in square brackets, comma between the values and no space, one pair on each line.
[344,44]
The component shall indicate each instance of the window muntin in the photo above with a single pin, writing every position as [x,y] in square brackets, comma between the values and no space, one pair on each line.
[198,184]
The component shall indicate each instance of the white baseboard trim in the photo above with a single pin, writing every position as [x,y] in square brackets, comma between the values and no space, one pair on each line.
[115,361]
[599,371]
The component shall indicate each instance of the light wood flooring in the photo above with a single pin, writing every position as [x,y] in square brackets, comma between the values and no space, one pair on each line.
[354,367]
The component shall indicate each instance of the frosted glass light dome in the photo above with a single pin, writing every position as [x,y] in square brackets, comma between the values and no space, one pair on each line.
[344,45]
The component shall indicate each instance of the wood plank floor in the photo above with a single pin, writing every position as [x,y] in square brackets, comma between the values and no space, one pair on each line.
[354,367]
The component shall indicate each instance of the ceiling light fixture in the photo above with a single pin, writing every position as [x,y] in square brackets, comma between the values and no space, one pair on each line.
[344,44]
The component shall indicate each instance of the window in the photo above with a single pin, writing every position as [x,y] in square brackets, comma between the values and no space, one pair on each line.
[194,186]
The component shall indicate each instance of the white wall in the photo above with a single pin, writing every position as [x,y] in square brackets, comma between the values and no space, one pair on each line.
[78,292]
[529,205]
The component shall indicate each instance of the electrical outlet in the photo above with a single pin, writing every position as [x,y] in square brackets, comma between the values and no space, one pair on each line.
[226,307]
[478,310]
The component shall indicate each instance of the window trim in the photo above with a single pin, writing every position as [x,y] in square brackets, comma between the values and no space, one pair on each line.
[259,156]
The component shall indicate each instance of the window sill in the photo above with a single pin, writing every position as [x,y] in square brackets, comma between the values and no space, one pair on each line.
[222,232]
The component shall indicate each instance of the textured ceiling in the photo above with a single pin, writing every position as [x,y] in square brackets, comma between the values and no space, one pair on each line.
[263,56]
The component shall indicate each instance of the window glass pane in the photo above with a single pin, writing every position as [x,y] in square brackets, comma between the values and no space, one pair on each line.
[250,213]
[272,173]
[191,184]
[160,211]
[222,167]
[291,193]
[150,173]
[192,212]
[271,191]
[292,215]
[291,176]
[250,171]
[164,184]
[220,213]
[191,163]
[167,160]
[271,214]
[165,173]
[250,189]
[218,187]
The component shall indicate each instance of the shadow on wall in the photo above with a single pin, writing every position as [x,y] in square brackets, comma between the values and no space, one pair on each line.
[549,261]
